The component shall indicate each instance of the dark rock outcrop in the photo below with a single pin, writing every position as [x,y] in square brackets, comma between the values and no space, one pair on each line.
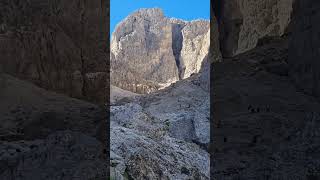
[264,128]
[45,135]
[243,22]
[304,53]
[62,155]
[57,45]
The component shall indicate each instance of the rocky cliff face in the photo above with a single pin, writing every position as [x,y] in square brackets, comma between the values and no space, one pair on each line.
[164,134]
[195,47]
[244,22]
[266,127]
[149,51]
[142,50]
[57,45]
[304,46]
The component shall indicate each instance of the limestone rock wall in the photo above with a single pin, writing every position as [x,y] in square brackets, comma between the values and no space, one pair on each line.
[214,55]
[244,22]
[141,45]
[150,51]
[56,44]
[195,46]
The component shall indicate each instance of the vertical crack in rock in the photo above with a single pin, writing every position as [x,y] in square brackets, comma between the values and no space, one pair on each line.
[171,126]
[177,42]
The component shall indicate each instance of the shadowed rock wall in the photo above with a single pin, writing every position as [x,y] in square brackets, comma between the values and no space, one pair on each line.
[58,45]
[304,52]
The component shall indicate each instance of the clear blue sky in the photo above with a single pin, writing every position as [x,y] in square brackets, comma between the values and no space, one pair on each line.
[182,9]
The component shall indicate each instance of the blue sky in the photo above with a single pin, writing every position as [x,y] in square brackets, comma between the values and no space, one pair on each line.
[182,9]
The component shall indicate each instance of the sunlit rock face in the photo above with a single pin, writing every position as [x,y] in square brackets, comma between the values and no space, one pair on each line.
[170,127]
[195,46]
[150,51]
[142,50]
[244,22]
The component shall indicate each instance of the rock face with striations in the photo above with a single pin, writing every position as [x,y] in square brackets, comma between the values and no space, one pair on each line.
[195,47]
[244,22]
[304,46]
[141,46]
[150,51]
[57,45]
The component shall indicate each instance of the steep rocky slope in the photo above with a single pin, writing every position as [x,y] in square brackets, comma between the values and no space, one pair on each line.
[162,135]
[57,45]
[265,128]
[117,94]
[149,51]
[45,135]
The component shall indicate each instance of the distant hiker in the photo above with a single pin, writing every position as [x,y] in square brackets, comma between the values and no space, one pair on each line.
[268,109]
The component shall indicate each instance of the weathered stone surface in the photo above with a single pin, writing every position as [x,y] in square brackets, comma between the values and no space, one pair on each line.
[118,94]
[37,112]
[264,127]
[149,51]
[244,22]
[45,135]
[54,44]
[304,53]
[142,49]
[164,134]
[195,47]
[214,55]
[62,155]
